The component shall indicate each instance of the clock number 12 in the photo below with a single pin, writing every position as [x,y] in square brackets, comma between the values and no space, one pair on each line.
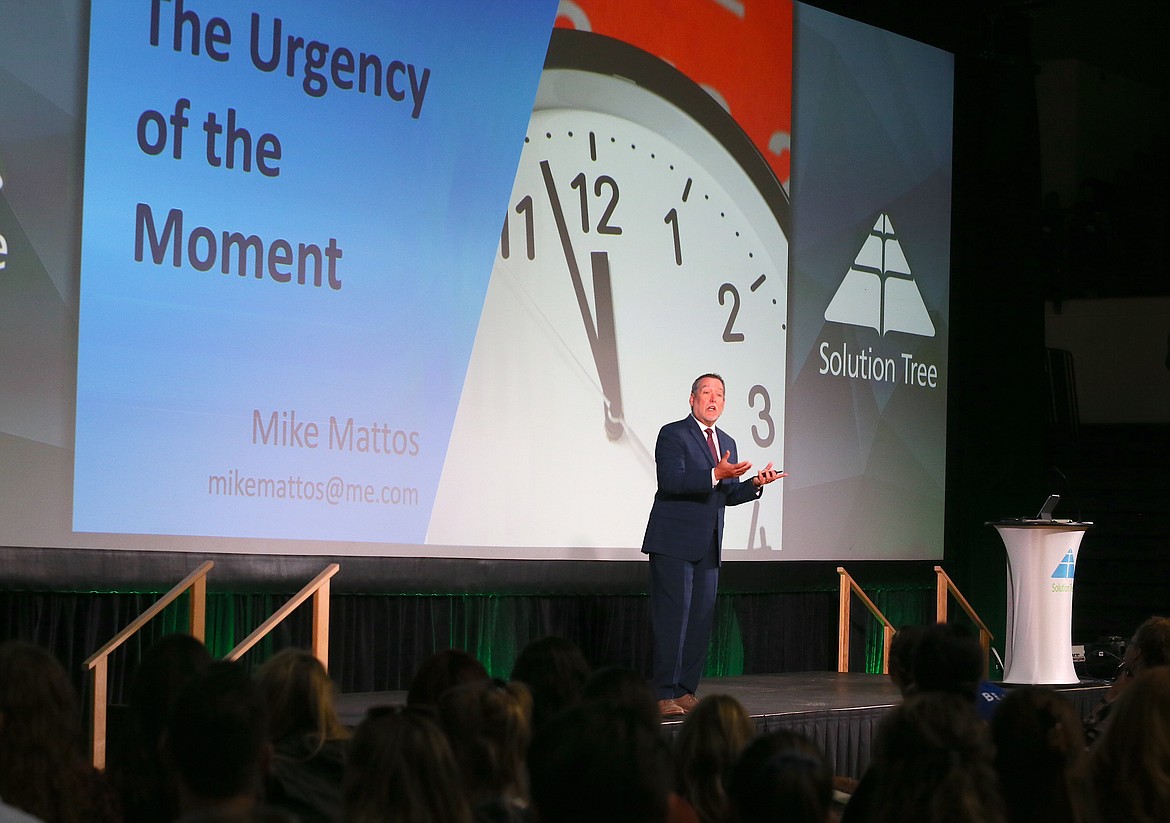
[601,183]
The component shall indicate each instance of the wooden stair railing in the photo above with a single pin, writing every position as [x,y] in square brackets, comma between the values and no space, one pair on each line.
[98,662]
[848,587]
[945,586]
[318,589]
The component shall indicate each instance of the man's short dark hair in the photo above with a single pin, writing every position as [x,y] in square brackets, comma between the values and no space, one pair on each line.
[702,377]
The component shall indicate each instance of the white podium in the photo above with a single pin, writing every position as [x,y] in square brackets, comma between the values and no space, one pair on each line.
[1042,558]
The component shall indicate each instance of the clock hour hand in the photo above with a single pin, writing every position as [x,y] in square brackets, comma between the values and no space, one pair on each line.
[602,335]
[605,350]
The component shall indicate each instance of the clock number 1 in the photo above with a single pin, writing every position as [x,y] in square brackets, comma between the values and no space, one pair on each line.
[730,336]
[765,414]
[672,219]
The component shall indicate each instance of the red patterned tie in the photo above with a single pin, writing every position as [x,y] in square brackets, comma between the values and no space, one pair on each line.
[711,444]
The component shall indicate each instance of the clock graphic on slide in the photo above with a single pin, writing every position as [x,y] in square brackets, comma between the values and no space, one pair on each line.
[645,242]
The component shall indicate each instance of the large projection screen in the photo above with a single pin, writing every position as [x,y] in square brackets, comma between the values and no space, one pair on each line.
[411,279]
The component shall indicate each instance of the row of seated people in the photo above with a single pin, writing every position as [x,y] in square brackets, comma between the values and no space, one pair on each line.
[206,741]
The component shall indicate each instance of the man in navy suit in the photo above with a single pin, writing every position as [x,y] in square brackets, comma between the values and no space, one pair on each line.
[698,475]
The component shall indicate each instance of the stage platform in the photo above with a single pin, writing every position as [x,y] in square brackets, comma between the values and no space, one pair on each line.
[838,712]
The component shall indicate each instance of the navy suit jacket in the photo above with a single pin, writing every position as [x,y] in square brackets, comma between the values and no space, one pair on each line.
[687,509]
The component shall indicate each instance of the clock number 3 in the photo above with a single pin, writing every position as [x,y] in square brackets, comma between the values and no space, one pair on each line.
[730,336]
[765,438]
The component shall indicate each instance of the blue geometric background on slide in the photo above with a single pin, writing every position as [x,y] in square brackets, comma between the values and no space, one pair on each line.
[368,146]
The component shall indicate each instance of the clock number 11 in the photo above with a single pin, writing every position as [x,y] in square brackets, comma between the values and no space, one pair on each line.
[524,207]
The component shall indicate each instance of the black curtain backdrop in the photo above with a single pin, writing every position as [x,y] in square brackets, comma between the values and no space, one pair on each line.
[376,641]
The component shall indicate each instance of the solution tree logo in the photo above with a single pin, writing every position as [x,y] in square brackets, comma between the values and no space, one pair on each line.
[879,291]
[1066,568]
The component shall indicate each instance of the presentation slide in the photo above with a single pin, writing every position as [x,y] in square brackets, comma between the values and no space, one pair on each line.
[414,279]
[869,291]
[286,228]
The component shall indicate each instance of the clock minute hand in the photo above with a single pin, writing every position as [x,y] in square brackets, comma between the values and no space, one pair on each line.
[602,335]
[570,258]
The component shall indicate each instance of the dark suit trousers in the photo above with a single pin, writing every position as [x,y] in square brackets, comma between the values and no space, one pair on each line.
[682,611]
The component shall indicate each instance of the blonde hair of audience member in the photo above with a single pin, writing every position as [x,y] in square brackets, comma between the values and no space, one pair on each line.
[1039,755]
[489,726]
[933,763]
[401,768]
[713,736]
[42,770]
[1130,765]
[300,698]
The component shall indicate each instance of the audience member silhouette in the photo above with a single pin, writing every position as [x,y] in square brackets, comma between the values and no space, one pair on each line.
[42,768]
[903,648]
[555,671]
[947,658]
[597,761]
[308,740]
[1040,756]
[1148,648]
[1129,766]
[145,786]
[489,726]
[943,657]
[216,742]
[932,763]
[711,739]
[781,776]
[619,686]
[441,671]
[401,768]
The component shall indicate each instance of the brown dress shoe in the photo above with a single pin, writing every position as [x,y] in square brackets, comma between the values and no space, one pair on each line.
[687,702]
[669,708]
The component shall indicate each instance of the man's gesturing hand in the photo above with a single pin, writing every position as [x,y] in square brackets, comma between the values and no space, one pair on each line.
[767,474]
[725,469]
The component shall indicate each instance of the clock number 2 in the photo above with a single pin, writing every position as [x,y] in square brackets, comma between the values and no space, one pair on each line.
[765,414]
[730,336]
[602,182]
